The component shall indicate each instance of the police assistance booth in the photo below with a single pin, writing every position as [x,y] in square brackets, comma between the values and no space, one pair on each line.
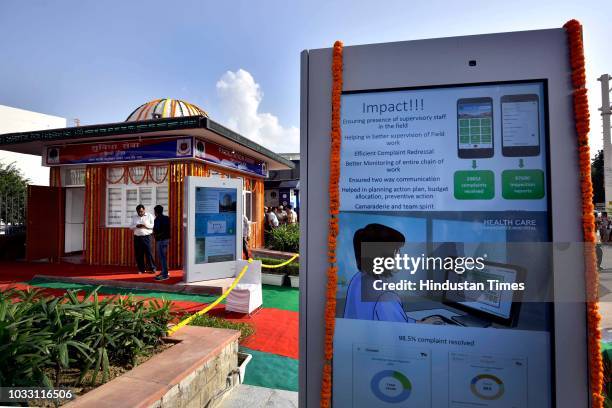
[100,173]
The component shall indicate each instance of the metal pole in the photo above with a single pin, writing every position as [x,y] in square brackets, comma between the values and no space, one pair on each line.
[606,110]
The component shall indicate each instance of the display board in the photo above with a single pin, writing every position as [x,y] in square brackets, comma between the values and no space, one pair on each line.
[213,227]
[450,151]
[432,166]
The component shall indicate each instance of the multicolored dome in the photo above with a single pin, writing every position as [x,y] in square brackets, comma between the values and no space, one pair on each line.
[165,108]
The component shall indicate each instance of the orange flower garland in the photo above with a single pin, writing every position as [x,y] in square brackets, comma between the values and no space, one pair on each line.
[581,114]
[334,209]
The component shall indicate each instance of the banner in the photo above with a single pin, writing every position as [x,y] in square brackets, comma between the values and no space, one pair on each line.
[119,151]
[229,158]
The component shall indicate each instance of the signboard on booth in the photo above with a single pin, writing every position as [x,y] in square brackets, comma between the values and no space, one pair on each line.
[213,233]
[119,151]
[450,291]
[182,147]
[229,158]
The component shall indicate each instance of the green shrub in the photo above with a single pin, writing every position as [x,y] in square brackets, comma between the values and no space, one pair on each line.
[291,269]
[285,238]
[39,333]
[607,389]
[24,342]
[211,321]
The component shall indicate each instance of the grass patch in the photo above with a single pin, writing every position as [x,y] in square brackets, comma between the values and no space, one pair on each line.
[204,320]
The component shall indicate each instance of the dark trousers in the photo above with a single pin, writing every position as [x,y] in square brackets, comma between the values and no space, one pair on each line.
[246,254]
[144,251]
[161,248]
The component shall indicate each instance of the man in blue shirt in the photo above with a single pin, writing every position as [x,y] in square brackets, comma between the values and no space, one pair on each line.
[161,231]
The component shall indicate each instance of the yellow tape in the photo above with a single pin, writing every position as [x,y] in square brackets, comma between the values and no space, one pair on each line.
[281,264]
[186,321]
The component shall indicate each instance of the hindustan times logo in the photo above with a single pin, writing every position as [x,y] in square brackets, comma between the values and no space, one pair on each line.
[412,264]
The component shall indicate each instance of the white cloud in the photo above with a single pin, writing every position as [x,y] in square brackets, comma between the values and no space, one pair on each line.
[239,99]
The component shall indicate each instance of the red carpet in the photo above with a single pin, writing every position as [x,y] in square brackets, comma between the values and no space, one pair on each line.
[276,330]
[25,271]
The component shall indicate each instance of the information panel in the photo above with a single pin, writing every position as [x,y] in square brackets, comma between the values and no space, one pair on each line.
[455,175]
[215,224]
[213,234]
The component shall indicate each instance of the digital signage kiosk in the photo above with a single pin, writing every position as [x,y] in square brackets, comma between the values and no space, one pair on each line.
[213,208]
[453,149]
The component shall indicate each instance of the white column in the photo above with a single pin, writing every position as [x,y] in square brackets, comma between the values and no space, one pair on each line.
[607,146]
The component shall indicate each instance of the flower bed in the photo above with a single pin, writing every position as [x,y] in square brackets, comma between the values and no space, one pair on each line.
[284,238]
[75,341]
[204,320]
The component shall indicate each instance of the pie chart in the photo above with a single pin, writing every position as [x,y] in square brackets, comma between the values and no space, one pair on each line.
[391,386]
[487,387]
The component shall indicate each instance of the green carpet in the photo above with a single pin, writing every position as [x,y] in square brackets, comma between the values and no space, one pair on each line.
[281,297]
[271,371]
[108,290]
[278,297]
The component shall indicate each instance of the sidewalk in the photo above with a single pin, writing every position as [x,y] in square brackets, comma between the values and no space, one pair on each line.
[256,397]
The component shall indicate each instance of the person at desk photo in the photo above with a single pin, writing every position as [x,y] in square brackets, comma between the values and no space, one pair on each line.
[387,306]
[365,303]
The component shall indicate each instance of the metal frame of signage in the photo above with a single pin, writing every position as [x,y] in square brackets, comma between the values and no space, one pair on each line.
[469,60]
[198,272]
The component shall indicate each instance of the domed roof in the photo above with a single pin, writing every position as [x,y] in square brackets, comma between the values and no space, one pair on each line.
[165,108]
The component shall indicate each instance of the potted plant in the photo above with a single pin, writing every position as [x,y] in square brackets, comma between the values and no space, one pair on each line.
[273,276]
[243,360]
[294,274]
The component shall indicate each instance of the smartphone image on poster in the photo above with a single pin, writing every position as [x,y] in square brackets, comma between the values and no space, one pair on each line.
[520,125]
[475,128]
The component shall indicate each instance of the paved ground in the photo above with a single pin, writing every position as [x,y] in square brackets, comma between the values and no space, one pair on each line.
[256,397]
[605,293]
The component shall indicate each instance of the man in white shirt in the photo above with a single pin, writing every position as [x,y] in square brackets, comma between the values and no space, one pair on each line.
[142,225]
[246,233]
[272,219]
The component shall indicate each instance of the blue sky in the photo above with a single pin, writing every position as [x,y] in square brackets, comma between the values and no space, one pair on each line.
[97,61]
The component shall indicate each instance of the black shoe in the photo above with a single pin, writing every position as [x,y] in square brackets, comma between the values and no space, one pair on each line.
[161,278]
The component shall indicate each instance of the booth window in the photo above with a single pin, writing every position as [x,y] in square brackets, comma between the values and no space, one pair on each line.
[125,189]
[248,204]
[73,177]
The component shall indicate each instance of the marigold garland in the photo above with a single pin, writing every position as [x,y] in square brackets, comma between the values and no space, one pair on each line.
[334,209]
[581,114]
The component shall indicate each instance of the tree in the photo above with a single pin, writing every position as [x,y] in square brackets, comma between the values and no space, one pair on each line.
[597,178]
[13,187]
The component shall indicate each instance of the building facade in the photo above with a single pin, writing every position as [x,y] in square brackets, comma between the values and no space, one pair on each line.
[282,187]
